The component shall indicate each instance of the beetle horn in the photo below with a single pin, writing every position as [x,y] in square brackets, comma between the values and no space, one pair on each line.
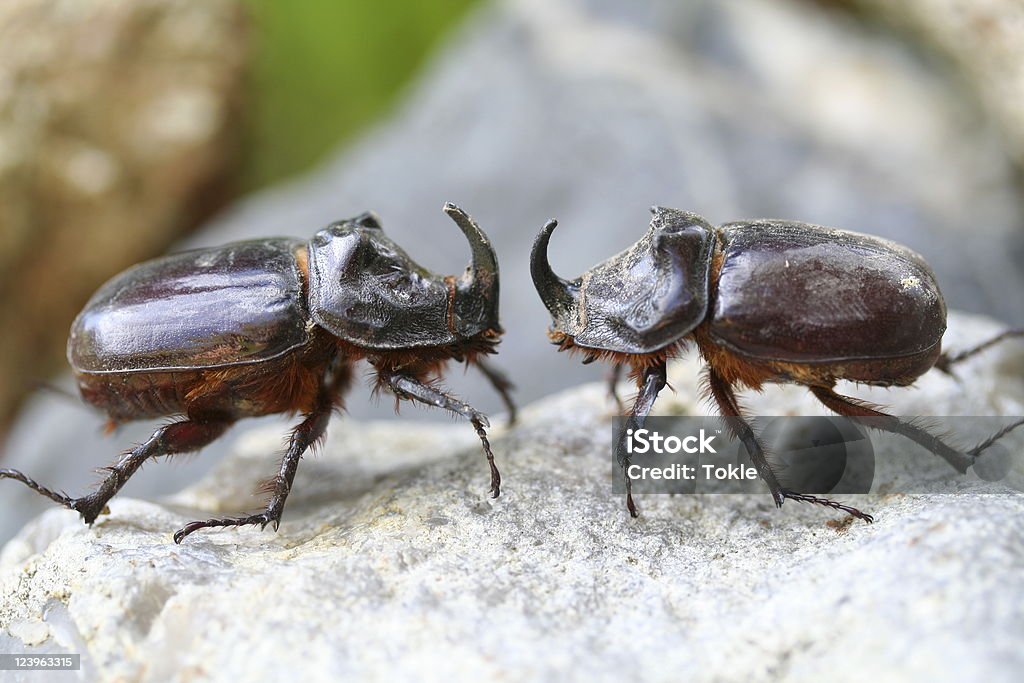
[556,293]
[483,262]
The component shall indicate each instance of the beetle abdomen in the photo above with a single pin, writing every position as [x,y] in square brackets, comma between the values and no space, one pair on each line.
[288,384]
[206,308]
[138,395]
[809,294]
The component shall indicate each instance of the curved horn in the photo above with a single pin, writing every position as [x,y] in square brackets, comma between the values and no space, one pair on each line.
[483,261]
[555,292]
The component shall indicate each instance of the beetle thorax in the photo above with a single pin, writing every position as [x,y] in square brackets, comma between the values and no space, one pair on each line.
[369,293]
[642,300]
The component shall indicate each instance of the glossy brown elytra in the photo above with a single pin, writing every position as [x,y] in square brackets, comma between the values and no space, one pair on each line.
[764,301]
[275,326]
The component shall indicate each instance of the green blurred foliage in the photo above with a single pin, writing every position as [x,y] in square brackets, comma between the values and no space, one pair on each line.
[324,69]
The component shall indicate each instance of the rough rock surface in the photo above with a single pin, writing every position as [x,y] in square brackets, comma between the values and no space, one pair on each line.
[392,563]
[118,126]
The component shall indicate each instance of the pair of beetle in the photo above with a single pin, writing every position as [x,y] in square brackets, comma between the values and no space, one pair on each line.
[276,325]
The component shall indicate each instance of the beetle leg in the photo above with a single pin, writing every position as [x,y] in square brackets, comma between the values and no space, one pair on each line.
[405,387]
[307,433]
[977,450]
[852,408]
[729,407]
[725,397]
[56,496]
[177,437]
[502,384]
[651,383]
[614,374]
[947,360]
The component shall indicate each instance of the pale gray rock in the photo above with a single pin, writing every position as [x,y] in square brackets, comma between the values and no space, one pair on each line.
[393,564]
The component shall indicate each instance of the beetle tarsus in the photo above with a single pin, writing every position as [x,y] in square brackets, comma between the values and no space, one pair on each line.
[981,447]
[947,360]
[412,389]
[502,384]
[614,374]
[630,505]
[651,383]
[308,432]
[835,505]
[58,497]
[495,488]
[178,437]
[262,519]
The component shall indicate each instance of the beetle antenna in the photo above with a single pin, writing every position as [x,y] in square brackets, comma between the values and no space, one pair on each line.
[835,505]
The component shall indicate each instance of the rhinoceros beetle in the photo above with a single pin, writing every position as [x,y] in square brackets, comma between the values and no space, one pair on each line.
[765,301]
[275,326]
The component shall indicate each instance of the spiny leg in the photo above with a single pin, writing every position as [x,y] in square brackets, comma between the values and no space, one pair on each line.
[947,360]
[729,407]
[302,437]
[652,382]
[411,388]
[852,408]
[725,397]
[1006,429]
[614,375]
[177,437]
[502,384]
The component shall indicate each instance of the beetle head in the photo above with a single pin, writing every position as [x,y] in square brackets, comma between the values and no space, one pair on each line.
[366,290]
[640,300]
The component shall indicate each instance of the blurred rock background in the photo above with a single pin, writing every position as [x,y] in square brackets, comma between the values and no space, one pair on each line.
[119,132]
[902,122]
